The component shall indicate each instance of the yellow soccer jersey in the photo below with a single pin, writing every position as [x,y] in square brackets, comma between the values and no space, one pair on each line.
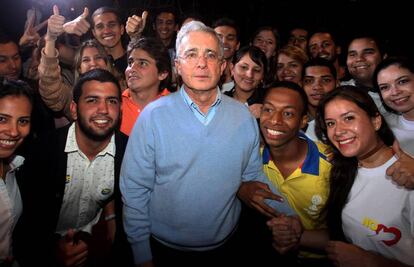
[307,188]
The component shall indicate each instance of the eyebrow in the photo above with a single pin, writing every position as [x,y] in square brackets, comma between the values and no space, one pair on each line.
[100,97]
[107,23]
[342,115]
[284,107]
[327,76]
[9,56]
[194,49]
[369,49]
[5,115]
[138,59]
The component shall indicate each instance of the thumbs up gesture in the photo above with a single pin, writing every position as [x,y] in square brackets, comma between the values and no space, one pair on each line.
[78,26]
[402,171]
[55,24]
[135,25]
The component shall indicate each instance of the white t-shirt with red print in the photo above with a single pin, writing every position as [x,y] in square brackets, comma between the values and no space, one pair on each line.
[379,215]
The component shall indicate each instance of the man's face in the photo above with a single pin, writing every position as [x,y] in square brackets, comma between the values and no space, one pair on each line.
[165,25]
[299,37]
[142,72]
[317,82]
[362,59]
[107,30]
[322,45]
[282,117]
[97,112]
[10,61]
[228,36]
[199,63]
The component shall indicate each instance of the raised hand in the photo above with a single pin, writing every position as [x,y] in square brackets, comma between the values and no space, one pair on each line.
[135,25]
[402,171]
[31,36]
[78,26]
[55,24]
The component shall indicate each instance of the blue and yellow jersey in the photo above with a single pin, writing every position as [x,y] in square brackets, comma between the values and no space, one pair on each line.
[307,188]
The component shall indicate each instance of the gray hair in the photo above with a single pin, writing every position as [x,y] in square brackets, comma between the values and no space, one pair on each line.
[196,26]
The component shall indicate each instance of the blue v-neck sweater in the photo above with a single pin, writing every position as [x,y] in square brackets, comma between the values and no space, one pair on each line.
[179,178]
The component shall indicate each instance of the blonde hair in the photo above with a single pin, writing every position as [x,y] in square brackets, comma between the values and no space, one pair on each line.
[92,43]
[294,52]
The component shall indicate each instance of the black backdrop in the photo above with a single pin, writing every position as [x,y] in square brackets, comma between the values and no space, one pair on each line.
[392,20]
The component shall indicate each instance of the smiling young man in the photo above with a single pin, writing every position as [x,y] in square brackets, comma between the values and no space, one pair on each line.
[295,164]
[108,29]
[83,163]
[365,52]
[166,26]
[229,33]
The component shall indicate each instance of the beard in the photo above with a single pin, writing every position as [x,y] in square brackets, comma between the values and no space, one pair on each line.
[93,134]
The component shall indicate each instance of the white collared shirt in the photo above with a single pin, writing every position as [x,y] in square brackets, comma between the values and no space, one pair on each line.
[10,207]
[88,185]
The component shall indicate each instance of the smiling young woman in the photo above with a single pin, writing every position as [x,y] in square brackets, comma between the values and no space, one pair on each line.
[369,217]
[15,114]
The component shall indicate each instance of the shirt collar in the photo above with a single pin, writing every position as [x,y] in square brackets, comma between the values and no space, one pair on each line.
[72,145]
[191,103]
[15,163]
[311,163]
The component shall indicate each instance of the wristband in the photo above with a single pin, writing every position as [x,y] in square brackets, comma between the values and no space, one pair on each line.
[110,217]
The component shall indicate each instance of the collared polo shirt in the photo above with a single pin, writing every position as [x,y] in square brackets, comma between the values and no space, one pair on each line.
[307,188]
[88,185]
[131,111]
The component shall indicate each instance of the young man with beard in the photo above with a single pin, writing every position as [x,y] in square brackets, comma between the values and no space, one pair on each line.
[323,44]
[79,165]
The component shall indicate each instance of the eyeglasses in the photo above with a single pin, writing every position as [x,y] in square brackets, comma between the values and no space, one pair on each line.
[192,57]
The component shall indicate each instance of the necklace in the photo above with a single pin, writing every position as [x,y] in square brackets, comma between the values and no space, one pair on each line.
[370,153]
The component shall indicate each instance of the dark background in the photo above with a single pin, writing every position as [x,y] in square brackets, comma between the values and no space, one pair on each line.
[391,20]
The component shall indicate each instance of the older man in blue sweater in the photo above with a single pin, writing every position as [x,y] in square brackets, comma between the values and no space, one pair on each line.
[187,156]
